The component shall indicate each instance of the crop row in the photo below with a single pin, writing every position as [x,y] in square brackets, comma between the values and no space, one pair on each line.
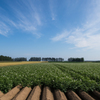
[55,75]
[91,70]
[81,82]
[32,75]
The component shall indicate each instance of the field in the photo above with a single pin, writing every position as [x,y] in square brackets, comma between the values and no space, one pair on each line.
[63,76]
[17,63]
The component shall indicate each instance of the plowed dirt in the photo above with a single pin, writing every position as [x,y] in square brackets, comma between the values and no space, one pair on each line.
[19,93]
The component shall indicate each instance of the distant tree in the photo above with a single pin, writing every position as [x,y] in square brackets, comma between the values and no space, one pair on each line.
[61,59]
[43,59]
[82,59]
[76,59]
[5,58]
[52,59]
[20,59]
[35,59]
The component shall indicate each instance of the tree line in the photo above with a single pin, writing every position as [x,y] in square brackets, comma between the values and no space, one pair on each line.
[52,59]
[45,59]
[35,59]
[76,59]
[7,58]
[20,59]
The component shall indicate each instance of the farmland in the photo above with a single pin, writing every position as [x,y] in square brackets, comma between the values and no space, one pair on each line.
[17,63]
[63,76]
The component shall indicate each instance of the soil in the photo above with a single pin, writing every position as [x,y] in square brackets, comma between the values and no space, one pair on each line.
[47,94]
[1,94]
[72,95]
[11,93]
[96,93]
[23,94]
[94,96]
[85,96]
[35,94]
[59,95]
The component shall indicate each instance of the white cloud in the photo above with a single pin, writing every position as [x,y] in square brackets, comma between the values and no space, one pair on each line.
[37,17]
[52,9]
[26,17]
[4,29]
[87,36]
[85,41]
[61,36]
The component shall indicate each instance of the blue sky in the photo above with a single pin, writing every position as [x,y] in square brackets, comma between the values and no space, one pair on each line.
[50,28]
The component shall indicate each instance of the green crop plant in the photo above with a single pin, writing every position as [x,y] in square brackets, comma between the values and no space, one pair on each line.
[63,76]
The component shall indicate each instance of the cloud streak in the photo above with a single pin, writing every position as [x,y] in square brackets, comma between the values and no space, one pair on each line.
[25,17]
[61,36]
[4,29]
[87,36]
[52,9]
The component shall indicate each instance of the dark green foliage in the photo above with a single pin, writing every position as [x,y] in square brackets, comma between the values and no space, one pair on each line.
[5,58]
[35,59]
[63,76]
[76,59]
[20,59]
[53,59]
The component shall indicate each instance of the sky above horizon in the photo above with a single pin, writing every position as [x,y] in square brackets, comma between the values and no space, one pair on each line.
[50,28]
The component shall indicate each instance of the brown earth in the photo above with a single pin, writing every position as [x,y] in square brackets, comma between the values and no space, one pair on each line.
[23,94]
[94,96]
[1,94]
[72,95]
[11,93]
[45,93]
[59,95]
[96,93]
[35,94]
[85,96]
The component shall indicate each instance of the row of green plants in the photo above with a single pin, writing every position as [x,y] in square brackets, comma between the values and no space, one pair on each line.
[32,75]
[83,82]
[91,70]
[55,75]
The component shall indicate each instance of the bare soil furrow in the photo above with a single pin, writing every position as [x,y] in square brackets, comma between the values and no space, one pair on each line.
[27,93]
[11,93]
[1,94]
[94,96]
[72,95]
[59,95]
[96,93]
[35,94]
[47,94]
[23,94]
[85,96]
